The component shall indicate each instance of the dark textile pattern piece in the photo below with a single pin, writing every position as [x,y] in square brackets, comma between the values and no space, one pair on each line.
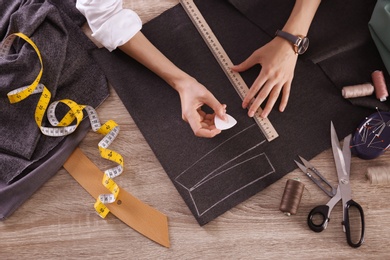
[214,175]
[69,72]
[340,41]
[28,158]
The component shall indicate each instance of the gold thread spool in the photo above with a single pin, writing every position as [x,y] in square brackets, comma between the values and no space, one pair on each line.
[361,90]
[378,175]
[378,80]
[292,196]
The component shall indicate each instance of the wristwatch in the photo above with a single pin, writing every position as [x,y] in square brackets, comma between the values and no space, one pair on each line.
[300,42]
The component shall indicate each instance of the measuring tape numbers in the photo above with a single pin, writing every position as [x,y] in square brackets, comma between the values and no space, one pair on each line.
[69,123]
[225,63]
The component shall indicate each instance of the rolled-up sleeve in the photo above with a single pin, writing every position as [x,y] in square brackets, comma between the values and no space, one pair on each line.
[111,25]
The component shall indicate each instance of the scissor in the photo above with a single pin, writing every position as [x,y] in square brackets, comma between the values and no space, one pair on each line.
[321,182]
[342,159]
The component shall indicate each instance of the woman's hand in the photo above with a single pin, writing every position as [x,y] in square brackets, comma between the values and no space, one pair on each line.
[193,96]
[277,59]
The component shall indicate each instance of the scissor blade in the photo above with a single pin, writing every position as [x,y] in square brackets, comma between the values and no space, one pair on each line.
[347,153]
[334,200]
[338,154]
[341,166]
[301,166]
[305,162]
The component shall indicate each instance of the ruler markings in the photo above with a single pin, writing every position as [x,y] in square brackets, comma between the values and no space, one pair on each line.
[224,61]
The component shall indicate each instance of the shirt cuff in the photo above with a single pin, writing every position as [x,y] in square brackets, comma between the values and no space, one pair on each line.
[111,25]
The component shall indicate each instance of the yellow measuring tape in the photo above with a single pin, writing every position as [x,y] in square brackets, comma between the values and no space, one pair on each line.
[69,123]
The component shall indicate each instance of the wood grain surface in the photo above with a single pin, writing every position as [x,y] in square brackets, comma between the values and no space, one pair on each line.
[59,222]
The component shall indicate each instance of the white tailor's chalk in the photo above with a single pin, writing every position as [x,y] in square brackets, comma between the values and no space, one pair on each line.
[223,125]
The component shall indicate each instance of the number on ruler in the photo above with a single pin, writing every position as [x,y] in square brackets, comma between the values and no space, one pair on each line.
[225,62]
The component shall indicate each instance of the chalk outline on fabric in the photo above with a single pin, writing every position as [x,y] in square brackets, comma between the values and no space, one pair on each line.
[211,174]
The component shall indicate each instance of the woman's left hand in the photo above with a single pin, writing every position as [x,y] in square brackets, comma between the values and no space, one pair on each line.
[277,59]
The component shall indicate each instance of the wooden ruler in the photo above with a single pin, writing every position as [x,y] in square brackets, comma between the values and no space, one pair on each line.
[225,63]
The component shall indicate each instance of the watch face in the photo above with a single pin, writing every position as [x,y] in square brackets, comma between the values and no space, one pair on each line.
[303,45]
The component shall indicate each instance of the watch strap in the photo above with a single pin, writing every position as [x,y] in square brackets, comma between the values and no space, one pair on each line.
[288,36]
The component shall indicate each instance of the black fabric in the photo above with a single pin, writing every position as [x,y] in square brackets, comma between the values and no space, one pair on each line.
[337,26]
[340,41]
[214,175]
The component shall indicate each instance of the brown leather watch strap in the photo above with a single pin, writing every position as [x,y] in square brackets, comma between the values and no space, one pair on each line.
[136,214]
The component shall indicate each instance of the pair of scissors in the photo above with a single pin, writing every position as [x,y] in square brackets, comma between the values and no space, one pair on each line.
[342,159]
[321,182]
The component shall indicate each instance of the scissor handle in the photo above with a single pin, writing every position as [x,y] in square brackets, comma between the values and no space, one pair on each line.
[322,211]
[346,223]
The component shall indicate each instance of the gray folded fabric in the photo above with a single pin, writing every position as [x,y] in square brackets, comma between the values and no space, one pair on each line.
[28,158]
[16,193]
[69,72]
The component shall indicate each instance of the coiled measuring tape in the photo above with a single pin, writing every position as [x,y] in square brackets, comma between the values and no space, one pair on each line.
[69,123]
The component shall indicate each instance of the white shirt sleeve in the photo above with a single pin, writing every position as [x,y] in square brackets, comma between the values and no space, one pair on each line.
[111,25]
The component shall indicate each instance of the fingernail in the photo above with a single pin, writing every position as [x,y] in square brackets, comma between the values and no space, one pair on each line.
[251,114]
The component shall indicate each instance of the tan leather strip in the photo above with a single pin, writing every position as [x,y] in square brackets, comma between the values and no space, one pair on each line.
[136,214]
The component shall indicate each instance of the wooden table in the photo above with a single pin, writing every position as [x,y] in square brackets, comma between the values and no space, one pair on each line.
[59,222]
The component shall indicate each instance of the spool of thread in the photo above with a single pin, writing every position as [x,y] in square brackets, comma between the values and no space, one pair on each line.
[378,80]
[292,196]
[361,90]
[378,175]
